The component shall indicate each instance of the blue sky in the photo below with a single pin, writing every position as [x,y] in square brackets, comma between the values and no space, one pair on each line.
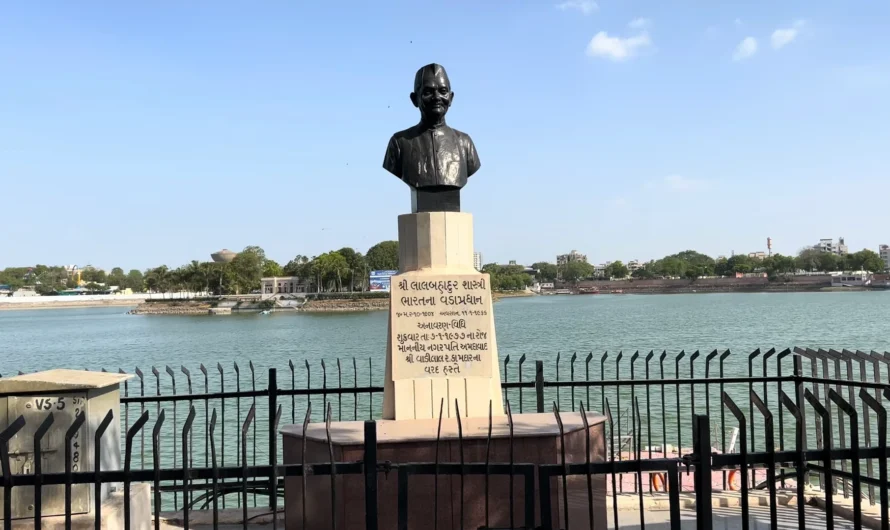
[134,134]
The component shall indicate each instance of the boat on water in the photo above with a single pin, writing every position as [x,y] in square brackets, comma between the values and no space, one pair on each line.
[588,290]
[618,291]
[265,312]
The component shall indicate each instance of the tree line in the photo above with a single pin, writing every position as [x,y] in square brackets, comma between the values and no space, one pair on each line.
[691,264]
[337,270]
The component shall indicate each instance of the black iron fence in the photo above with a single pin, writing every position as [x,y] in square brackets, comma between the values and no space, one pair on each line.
[814,418]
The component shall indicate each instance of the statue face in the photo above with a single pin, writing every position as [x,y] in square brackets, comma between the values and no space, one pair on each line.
[435,94]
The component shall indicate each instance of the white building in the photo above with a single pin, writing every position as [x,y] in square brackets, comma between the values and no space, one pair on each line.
[633,265]
[600,270]
[828,245]
[477,260]
[574,255]
[851,279]
[283,285]
[884,251]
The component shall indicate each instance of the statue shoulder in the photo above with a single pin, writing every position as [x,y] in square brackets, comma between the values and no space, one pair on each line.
[407,134]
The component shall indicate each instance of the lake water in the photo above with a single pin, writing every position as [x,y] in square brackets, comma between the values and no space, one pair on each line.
[538,327]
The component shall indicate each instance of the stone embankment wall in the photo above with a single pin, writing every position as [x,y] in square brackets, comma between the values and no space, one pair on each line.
[172,308]
[335,306]
[790,283]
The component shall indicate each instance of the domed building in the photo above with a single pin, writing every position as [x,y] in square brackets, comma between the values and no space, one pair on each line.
[223,256]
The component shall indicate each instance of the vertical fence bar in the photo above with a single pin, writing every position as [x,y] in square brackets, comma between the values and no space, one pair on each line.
[565,469]
[97,465]
[572,378]
[799,437]
[664,442]
[370,468]
[539,385]
[172,375]
[587,377]
[677,360]
[156,463]
[244,429]
[611,422]
[852,414]
[273,438]
[603,378]
[215,471]
[701,447]
[828,485]
[649,411]
[521,360]
[881,414]
[239,433]
[771,456]
[222,437]
[38,469]
[186,472]
[723,357]
[128,462]
[70,436]
[253,426]
[743,453]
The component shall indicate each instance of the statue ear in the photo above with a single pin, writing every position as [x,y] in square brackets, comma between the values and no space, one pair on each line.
[414,99]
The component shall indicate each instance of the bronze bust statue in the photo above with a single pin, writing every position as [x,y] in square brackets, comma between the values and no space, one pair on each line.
[431,157]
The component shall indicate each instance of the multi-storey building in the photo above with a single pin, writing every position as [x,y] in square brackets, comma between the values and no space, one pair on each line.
[477,260]
[574,255]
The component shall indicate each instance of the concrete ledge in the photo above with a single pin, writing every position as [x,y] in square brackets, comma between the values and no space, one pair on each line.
[112,513]
[229,516]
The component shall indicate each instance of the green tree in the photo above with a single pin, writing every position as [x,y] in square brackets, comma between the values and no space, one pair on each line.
[828,262]
[329,269]
[357,274]
[272,268]
[247,269]
[869,260]
[574,271]
[741,263]
[135,281]
[616,269]
[546,272]
[383,256]
[721,267]
[808,259]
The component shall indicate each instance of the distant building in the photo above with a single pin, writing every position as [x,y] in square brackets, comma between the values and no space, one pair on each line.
[223,256]
[828,245]
[757,255]
[600,270]
[283,285]
[634,265]
[574,255]
[884,251]
[851,279]
[511,262]
[477,261]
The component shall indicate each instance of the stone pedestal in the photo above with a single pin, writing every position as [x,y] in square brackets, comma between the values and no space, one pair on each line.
[441,345]
[536,441]
[65,394]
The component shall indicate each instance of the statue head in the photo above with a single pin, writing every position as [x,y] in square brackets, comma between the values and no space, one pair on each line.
[432,92]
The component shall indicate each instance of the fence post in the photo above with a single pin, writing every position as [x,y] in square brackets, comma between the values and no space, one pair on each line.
[370,465]
[539,384]
[701,449]
[273,447]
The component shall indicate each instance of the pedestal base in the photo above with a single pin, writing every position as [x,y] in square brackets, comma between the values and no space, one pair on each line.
[536,441]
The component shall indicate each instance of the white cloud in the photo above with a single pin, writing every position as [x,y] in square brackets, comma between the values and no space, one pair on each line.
[584,6]
[783,36]
[679,182]
[745,49]
[640,23]
[617,48]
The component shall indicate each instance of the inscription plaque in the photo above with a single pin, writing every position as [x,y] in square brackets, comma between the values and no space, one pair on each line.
[441,326]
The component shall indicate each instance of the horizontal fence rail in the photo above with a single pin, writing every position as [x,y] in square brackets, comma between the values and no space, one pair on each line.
[676,425]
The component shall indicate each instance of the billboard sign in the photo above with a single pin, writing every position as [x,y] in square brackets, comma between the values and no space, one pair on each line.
[379,280]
